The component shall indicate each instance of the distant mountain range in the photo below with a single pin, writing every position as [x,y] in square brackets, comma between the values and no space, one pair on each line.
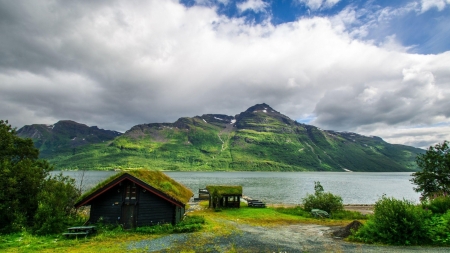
[259,139]
[64,135]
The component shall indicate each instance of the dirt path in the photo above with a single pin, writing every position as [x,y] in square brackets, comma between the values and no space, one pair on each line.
[280,239]
[248,238]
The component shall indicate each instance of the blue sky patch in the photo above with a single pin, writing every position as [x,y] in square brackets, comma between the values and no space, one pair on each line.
[420,26]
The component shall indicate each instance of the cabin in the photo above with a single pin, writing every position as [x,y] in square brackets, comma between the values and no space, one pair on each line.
[224,196]
[136,198]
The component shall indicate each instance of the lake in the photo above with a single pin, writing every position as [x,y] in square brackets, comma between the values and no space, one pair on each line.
[289,187]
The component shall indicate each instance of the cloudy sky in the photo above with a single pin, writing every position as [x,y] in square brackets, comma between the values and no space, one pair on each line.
[375,67]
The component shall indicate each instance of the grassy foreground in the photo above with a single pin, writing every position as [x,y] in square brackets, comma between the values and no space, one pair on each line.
[115,239]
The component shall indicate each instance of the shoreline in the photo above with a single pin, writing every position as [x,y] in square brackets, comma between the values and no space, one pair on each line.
[362,208]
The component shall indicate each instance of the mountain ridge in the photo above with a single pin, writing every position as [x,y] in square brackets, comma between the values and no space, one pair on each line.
[257,139]
[64,134]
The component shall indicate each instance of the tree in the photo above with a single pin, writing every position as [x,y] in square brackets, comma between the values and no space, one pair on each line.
[322,200]
[21,176]
[24,180]
[434,177]
[55,204]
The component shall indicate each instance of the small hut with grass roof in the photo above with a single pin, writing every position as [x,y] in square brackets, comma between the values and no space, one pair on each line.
[136,198]
[224,195]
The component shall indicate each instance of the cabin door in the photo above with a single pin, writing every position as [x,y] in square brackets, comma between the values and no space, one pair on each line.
[129,219]
[129,206]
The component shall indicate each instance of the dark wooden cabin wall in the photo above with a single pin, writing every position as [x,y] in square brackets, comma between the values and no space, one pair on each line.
[108,206]
[153,210]
[179,214]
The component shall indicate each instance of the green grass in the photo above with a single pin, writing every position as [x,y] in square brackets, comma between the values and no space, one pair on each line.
[115,239]
[107,239]
[274,216]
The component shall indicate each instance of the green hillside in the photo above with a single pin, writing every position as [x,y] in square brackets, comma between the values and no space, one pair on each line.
[259,139]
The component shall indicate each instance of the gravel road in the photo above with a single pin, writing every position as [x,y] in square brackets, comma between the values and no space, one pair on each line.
[279,239]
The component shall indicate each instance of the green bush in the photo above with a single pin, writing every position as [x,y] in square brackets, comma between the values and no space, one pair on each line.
[187,228]
[194,219]
[438,205]
[439,229]
[396,222]
[322,200]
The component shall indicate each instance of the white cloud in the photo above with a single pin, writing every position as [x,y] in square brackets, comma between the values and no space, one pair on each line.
[117,64]
[417,136]
[330,3]
[254,5]
[391,43]
[317,4]
[438,4]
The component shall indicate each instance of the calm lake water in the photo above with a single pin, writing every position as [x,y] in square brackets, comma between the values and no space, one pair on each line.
[289,187]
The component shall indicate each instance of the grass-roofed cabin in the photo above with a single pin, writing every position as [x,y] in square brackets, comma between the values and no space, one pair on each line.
[224,196]
[136,198]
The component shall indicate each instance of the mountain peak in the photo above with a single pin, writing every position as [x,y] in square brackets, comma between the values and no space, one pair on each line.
[260,108]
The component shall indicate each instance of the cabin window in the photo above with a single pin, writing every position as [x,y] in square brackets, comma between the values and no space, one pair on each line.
[130,192]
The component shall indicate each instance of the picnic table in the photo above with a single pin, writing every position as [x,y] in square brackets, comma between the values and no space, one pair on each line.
[255,203]
[81,230]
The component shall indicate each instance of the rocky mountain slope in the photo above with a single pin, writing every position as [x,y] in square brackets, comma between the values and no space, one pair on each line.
[63,136]
[259,139]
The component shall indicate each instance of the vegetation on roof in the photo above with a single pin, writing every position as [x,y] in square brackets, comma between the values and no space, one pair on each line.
[220,190]
[156,179]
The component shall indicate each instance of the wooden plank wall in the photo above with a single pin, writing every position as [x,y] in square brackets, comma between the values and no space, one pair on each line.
[153,210]
[108,206]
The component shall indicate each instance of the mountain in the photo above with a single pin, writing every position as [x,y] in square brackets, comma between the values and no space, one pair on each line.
[64,136]
[258,139]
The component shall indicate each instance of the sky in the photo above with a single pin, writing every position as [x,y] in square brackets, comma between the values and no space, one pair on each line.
[372,67]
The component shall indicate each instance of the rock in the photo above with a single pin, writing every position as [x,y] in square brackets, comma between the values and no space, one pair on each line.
[347,230]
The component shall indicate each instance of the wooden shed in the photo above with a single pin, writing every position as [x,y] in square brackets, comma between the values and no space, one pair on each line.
[136,198]
[224,196]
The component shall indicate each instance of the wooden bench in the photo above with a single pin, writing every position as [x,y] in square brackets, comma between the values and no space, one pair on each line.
[255,203]
[82,230]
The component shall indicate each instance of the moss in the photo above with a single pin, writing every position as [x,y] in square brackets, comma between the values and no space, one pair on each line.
[156,179]
[220,190]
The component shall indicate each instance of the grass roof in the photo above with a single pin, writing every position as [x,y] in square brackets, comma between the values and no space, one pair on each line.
[220,190]
[156,179]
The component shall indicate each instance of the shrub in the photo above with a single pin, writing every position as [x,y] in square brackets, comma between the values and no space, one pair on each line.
[322,200]
[439,229]
[194,219]
[438,205]
[397,222]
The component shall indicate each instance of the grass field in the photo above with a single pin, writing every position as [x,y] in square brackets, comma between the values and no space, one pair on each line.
[115,239]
